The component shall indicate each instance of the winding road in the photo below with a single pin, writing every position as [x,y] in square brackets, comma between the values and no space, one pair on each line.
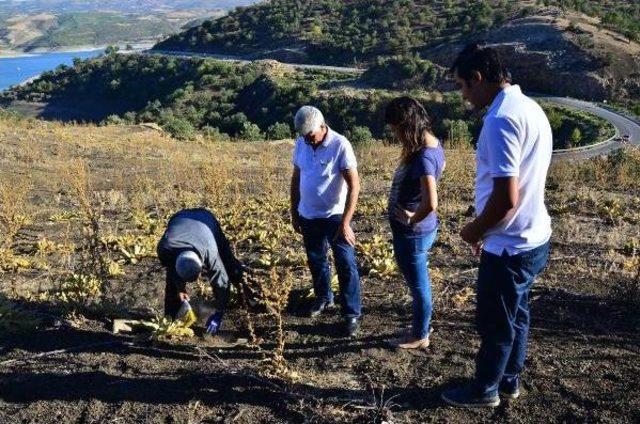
[625,127]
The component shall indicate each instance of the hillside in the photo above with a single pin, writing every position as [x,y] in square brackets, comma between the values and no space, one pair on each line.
[552,44]
[566,54]
[252,100]
[77,196]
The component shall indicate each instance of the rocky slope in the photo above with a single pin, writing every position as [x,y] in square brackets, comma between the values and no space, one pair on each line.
[561,54]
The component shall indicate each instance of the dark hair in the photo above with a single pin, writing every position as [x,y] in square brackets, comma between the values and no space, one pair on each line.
[482,59]
[413,123]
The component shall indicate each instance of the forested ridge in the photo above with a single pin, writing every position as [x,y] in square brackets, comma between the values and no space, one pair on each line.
[357,31]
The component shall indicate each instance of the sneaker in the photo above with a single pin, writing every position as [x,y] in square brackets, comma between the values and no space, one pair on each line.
[214,322]
[510,388]
[352,325]
[320,305]
[468,397]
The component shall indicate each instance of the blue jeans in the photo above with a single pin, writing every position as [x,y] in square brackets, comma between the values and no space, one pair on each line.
[502,314]
[318,234]
[412,256]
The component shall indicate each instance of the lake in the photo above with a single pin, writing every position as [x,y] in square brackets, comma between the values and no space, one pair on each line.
[14,70]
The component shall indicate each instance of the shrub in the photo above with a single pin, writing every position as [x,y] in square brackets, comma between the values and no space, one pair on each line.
[113,120]
[130,117]
[278,131]
[250,132]
[360,135]
[179,128]
[214,134]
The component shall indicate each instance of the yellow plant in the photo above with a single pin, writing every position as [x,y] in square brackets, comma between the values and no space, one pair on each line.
[611,209]
[131,247]
[78,288]
[631,247]
[9,261]
[114,269]
[377,257]
[166,329]
[62,216]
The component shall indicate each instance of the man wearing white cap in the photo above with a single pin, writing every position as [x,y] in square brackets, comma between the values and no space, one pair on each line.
[193,243]
[324,192]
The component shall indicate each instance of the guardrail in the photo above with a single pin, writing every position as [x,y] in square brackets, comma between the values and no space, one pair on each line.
[588,147]
[610,140]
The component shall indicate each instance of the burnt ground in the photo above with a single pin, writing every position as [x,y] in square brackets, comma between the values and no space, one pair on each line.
[582,367]
[583,363]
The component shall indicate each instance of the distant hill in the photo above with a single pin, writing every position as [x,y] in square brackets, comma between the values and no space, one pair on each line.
[127,6]
[50,31]
[581,48]
[52,24]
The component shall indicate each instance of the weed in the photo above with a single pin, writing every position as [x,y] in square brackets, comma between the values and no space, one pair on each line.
[377,258]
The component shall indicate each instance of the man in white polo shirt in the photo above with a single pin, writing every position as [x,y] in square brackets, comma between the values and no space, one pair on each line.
[512,229]
[324,192]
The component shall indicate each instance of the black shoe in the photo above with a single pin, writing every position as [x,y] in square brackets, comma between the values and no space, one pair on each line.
[351,326]
[510,388]
[318,306]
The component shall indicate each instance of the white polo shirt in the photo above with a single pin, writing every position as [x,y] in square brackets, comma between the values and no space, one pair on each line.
[515,141]
[323,190]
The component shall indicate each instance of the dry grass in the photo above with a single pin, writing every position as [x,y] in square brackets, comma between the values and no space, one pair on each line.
[89,204]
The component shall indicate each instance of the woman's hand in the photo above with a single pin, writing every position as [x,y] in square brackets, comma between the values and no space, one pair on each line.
[403,216]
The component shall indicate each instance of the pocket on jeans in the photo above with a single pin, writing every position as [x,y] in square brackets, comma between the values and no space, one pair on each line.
[533,261]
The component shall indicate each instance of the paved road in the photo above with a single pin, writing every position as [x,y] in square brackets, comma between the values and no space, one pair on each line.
[623,125]
[240,59]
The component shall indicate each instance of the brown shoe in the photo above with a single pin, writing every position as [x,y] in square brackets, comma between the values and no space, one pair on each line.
[410,343]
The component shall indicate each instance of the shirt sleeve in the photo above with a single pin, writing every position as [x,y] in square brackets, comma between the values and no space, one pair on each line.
[347,158]
[426,165]
[296,154]
[503,147]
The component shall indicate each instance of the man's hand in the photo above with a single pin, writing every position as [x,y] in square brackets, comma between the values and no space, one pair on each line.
[402,215]
[183,296]
[346,233]
[471,233]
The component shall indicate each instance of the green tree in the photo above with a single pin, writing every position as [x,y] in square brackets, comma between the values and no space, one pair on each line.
[179,128]
[111,50]
[575,137]
[250,132]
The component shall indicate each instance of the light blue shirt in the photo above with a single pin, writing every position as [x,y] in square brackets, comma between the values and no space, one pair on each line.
[323,189]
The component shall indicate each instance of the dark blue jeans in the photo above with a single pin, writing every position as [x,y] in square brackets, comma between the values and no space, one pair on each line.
[318,235]
[412,255]
[504,284]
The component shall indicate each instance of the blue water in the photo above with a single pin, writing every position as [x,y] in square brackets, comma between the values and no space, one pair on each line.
[14,70]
